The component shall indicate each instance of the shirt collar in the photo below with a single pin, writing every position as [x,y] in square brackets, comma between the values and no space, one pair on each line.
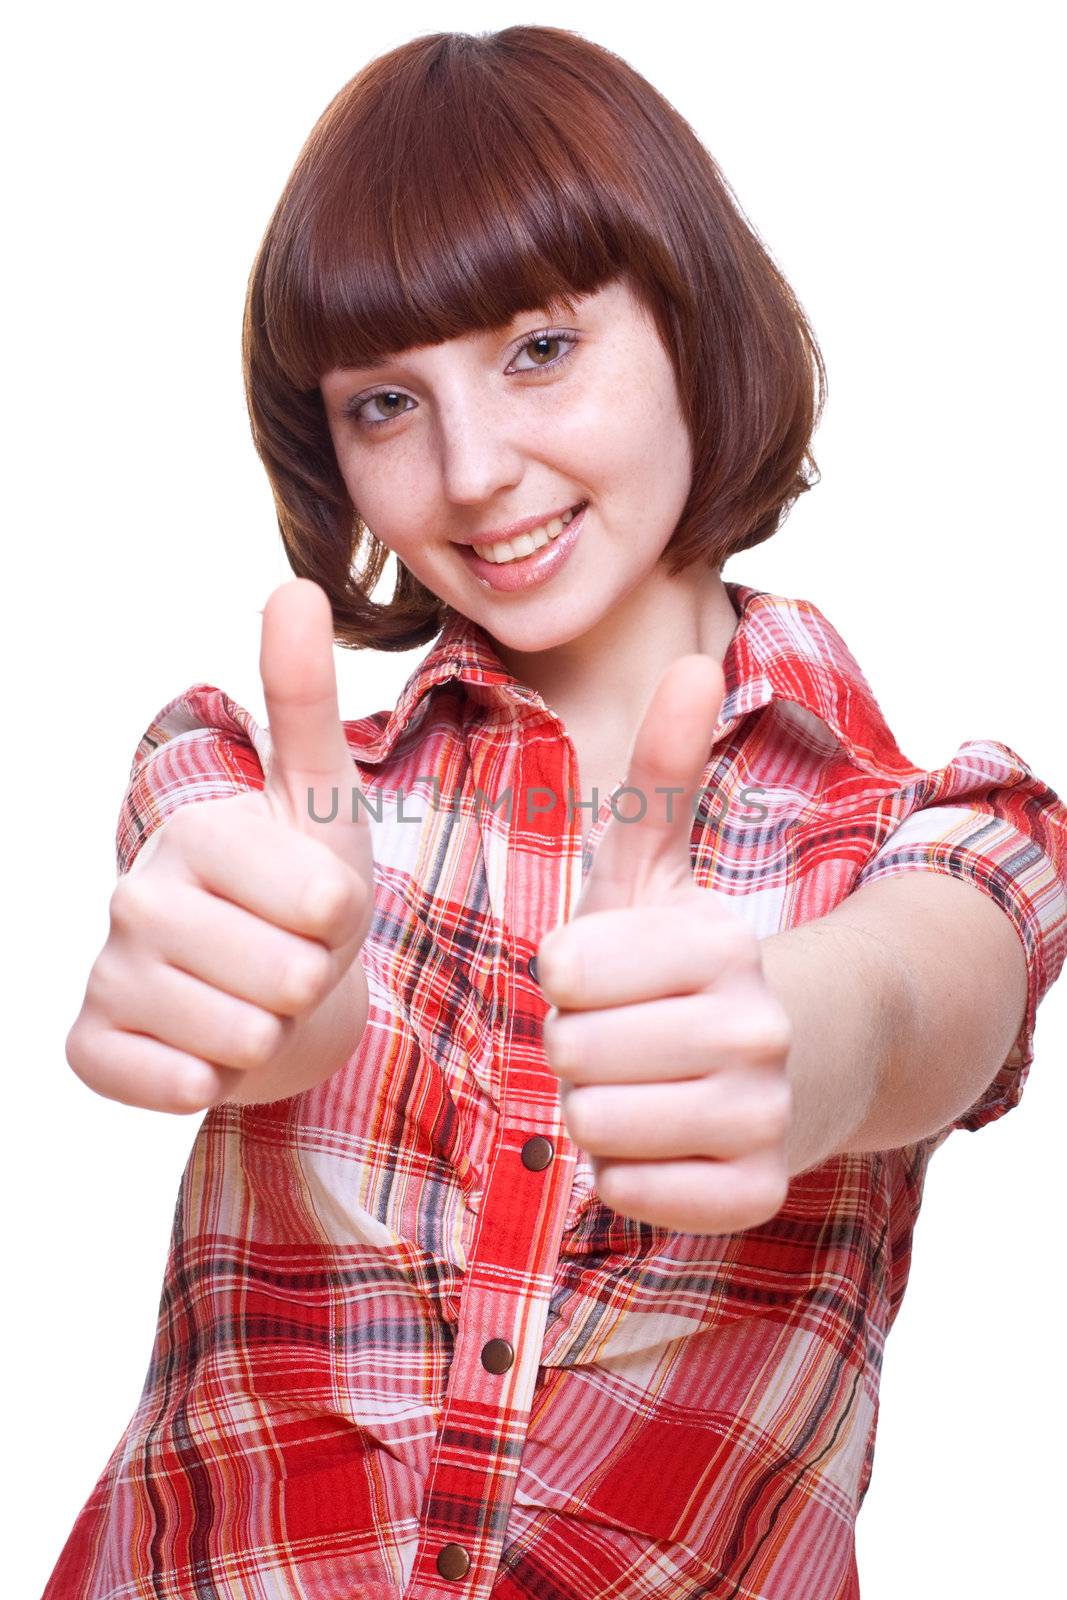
[781,649]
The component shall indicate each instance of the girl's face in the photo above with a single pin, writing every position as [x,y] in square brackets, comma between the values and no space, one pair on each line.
[448,443]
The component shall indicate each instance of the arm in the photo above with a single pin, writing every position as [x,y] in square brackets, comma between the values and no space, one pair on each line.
[904,1001]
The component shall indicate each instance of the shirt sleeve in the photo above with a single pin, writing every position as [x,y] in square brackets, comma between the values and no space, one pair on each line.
[201,746]
[986,818]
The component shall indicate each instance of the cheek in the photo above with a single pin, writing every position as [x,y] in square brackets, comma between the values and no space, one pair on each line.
[639,409]
[646,452]
[389,497]
[666,450]
[593,441]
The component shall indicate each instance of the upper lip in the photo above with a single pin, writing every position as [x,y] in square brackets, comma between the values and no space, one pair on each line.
[515,529]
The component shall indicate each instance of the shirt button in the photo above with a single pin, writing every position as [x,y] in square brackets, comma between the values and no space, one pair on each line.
[497,1355]
[537,1153]
[453,1561]
[531,967]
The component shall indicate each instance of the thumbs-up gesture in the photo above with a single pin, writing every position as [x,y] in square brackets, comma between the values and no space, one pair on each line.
[670,1048]
[231,970]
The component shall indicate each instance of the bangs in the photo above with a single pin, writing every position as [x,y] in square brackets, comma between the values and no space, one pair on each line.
[454,199]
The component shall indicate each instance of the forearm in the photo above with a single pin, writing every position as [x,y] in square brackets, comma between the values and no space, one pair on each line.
[904,1000]
[850,1004]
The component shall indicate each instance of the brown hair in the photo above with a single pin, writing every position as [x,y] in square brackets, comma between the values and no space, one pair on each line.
[462,179]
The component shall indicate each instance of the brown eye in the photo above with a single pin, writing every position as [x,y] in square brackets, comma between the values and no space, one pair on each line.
[390,402]
[387,399]
[544,345]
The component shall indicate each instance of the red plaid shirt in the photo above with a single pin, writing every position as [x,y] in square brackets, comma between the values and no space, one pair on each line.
[403,1347]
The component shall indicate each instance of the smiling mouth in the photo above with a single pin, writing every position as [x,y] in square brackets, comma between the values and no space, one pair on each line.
[503,551]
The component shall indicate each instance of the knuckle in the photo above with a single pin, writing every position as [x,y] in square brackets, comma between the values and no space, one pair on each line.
[88,1056]
[766,1191]
[561,967]
[765,1037]
[258,1038]
[732,942]
[104,987]
[182,826]
[190,1090]
[576,1114]
[303,981]
[708,1032]
[559,1043]
[131,900]
[327,899]
[770,1115]
[614,1187]
[79,1050]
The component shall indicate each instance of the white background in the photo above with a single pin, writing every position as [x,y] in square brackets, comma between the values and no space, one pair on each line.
[903,163]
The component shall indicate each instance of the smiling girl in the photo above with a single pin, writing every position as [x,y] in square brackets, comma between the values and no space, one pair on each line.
[573,1037]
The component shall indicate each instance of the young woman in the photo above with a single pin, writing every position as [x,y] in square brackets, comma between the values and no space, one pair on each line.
[573,1037]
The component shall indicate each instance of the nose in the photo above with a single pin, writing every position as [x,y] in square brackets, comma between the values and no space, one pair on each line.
[478,455]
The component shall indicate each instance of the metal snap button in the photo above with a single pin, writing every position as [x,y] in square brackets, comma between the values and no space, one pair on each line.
[453,1561]
[497,1355]
[537,1153]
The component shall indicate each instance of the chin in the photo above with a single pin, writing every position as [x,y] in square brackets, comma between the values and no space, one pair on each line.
[544,628]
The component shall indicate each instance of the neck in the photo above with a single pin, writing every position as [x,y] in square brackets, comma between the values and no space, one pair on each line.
[604,679]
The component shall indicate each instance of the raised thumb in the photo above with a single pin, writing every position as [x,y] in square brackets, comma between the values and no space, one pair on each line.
[311,775]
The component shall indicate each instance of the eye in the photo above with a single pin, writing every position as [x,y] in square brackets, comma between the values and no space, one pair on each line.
[551,336]
[387,398]
[391,400]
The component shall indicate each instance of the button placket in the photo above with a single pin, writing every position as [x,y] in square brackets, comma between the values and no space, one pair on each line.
[510,1263]
[455,1502]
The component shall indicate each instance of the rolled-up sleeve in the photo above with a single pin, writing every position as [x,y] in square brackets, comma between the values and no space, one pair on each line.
[201,746]
[986,818]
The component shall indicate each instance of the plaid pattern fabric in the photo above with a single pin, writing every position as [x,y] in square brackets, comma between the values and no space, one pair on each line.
[329,1411]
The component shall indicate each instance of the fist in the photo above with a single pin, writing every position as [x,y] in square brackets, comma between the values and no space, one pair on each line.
[231,970]
[670,1049]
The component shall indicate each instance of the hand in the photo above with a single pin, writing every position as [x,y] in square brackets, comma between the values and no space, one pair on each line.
[231,967]
[670,1048]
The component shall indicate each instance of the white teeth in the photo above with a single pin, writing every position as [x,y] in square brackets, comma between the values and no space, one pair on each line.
[526,543]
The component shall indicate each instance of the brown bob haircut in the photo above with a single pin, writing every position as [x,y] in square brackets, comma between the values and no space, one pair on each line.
[463,179]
